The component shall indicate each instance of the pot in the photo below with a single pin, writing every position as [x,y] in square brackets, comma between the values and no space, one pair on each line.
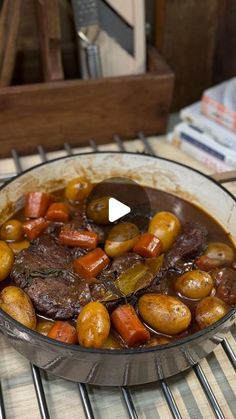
[129,366]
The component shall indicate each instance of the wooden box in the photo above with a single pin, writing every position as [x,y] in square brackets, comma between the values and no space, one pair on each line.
[76,111]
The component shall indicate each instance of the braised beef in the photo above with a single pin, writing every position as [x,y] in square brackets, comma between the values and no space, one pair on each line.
[45,272]
[56,298]
[188,245]
[124,262]
[78,217]
[225,279]
[100,230]
[43,254]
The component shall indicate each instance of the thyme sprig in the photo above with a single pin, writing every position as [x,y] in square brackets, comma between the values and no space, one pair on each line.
[49,272]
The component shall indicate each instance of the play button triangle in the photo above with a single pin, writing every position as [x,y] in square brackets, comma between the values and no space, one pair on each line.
[117,209]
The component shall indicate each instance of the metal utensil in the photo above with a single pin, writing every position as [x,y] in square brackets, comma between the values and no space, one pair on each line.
[85,12]
[86,16]
[93,58]
[99,15]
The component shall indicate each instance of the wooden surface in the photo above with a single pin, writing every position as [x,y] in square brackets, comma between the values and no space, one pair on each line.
[50,39]
[225,56]
[63,396]
[186,37]
[9,28]
[75,111]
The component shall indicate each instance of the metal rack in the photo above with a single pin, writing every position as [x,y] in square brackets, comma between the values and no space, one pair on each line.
[125,391]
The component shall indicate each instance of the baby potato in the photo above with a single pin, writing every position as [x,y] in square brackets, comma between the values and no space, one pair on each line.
[93,325]
[44,326]
[166,226]
[6,260]
[215,255]
[15,302]
[11,230]
[78,189]
[97,210]
[112,343]
[209,310]
[164,313]
[194,284]
[121,238]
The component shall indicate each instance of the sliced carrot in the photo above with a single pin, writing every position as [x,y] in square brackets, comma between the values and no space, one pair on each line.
[148,246]
[58,211]
[126,322]
[84,239]
[34,228]
[90,265]
[64,332]
[36,204]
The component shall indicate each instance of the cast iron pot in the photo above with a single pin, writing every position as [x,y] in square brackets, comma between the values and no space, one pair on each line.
[129,366]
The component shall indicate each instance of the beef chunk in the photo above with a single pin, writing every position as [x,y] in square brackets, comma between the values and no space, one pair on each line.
[43,255]
[124,262]
[189,244]
[44,271]
[225,279]
[57,299]
[100,230]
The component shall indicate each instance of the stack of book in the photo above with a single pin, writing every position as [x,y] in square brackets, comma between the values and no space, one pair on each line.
[208,128]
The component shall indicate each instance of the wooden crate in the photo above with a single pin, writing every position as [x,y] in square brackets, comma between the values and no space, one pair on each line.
[77,110]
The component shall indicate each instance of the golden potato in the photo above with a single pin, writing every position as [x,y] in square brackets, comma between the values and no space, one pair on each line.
[121,238]
[44,326]
[78,189]
[194,284]
[215,255]
[97,210]
[15,302]
[93,325]
[166,226]
[11,230]
[6,260]
[209,310]
[164,313]
[112,343]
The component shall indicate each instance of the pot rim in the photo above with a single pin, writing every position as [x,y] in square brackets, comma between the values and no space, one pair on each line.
[125,351]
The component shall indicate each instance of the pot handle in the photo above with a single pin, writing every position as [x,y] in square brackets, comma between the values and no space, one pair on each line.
[225,177]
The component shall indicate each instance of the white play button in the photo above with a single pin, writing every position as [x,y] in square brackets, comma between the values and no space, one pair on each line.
[117,209]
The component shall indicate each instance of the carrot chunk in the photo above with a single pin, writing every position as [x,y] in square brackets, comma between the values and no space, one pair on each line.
[34,228]
[84,239]
[58,211]
[36,204]
[90,265]
[126,322]
[64,332]
[148,246]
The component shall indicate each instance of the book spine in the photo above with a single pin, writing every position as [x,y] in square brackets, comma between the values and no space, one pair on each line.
[197,153]
[218,112]
[222,135]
